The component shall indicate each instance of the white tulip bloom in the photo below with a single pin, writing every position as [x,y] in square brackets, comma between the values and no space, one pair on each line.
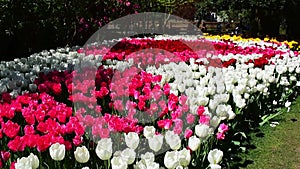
[155,142]
[184,157]
[202,70]
[221,111]
[287,104]
[211,89]
[57,151]
[149,131]
[153,165]
[132,140]
[194,143]
[215,156]
[118,163]
[181,87]
[284,81]
[215,121]
[239,101]
[280,69]
[23,163]
[203,101]
[246,95]
[297,70]
[128,155]
[140,165]
[215,166]
[293,78]
[196,75]
[202,130]
[147,158]
[252,82]
[231,114]
[213,104]
[82,154]
[27,162]
[220,88]
[173,140]
[104,149]
[171,159]
[33,160]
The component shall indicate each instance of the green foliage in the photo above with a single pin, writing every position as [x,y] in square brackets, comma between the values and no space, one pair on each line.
[263,16]
[35,25]
[171,5]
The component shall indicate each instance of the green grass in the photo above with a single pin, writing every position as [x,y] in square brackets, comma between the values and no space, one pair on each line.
[278,147]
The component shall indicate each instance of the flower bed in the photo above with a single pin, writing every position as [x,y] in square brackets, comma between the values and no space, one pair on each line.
[187,103]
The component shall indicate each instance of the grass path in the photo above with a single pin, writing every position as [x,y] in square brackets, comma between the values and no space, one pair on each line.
[278,147]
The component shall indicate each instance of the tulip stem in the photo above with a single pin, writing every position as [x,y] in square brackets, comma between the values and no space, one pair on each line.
[107,164]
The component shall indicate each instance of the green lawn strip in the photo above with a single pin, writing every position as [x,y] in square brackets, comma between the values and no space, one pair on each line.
[278,147]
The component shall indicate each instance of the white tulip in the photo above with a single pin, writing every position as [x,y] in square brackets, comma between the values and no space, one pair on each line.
[293,78]
[132,140]
[221,111]
[171,159]
[231,114]
[128,155]
[184,157]
[140,165]
[281,69]
[196,75]
[155,142]
[179,167]
[202,130]
[215,166]
[118,163]
[239,102]
[213,104]
[203,101]
[104,149]
[211,89]
[220,88]
[23,163]
[297,70]
[246,95]
[57,151]
[194,143]
[215,121]
[33,160]
[173,140]
[181,87]
[27,162]
[153,165]
[147,158]
[229,87]
[82,154]
[202,70]
[215,156]
[252,82]
[287,104]
[149,131]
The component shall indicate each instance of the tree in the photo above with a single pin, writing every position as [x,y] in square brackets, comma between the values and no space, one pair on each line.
[291,15]
[263,16]
[31,26]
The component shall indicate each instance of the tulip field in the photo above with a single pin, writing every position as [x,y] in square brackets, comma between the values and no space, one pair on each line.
[175,102]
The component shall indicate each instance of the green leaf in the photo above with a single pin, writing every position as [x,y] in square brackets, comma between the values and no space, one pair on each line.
[237,143]
[243,149]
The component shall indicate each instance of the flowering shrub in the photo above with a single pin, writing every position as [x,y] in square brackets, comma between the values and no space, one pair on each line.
[183,106]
